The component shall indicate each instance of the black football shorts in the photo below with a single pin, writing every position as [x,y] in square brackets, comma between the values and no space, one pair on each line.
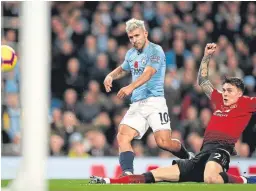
[192,170]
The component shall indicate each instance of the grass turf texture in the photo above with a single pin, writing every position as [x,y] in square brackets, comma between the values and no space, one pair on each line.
[82,185]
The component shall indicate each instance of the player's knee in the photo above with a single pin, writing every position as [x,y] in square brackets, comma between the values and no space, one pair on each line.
[210,179]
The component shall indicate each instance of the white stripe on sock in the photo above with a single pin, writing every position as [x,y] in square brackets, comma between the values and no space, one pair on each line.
[107,180]
[244,179]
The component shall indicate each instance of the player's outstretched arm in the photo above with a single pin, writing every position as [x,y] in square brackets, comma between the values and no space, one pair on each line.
[118,73]
[202,77]
[114,75]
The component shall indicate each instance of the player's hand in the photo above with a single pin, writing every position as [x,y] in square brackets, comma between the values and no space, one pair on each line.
[125,91]
[210,49]
[108,83]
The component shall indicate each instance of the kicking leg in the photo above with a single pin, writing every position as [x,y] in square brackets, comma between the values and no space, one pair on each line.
[165,142]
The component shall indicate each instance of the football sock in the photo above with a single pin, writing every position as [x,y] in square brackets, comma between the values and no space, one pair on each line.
[149,178]
[182,153]
[128,179]
[126,161]
[229,178]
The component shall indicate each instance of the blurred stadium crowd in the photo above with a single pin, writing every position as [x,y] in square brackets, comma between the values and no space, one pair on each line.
[89,40]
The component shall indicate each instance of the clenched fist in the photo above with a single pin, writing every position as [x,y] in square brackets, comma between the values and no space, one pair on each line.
[210,49]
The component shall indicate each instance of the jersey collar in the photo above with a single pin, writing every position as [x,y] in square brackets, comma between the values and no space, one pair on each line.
[144,49]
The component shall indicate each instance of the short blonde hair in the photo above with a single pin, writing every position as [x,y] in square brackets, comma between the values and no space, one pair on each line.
[134,24]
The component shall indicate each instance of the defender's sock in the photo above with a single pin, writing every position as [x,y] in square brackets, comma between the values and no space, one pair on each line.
[135,179]
[149,178]
[182,153]
[126,161]
[229,178]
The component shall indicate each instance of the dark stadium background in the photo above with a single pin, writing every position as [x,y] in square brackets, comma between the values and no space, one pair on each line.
[89,40]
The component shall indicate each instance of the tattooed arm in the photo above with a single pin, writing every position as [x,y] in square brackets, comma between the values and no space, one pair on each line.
[202,77]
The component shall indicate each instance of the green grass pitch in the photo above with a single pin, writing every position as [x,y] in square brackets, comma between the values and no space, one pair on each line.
[82,185]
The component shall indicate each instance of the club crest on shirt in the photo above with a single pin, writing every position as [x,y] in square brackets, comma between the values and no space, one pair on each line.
[143,61]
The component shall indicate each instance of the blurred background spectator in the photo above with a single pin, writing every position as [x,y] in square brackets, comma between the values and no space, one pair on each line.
[89,40]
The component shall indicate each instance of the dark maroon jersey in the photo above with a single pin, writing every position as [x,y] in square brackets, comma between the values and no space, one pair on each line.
[228,122]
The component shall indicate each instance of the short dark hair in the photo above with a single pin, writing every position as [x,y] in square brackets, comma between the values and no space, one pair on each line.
[235,82]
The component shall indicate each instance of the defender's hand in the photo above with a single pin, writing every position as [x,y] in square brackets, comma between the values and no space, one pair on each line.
[108,83]
[125,91]
[210,49]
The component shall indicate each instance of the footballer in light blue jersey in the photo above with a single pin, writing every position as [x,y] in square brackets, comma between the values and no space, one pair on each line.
[147,64]
[136,61]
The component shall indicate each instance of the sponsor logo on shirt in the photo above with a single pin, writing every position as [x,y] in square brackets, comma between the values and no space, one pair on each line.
[220,113]
[136,70]
[224,112]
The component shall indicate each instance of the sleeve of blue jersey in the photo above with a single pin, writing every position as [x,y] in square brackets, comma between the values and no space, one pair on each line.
[155,59]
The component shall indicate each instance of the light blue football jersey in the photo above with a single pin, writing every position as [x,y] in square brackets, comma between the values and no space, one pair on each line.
[135,62]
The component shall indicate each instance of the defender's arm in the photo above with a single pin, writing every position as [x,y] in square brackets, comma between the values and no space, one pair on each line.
[202,77]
